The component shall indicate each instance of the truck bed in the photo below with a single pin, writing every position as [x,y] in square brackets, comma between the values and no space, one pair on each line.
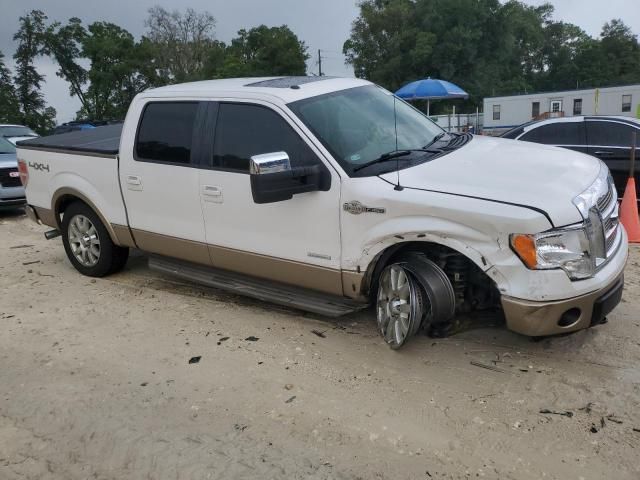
[100,141]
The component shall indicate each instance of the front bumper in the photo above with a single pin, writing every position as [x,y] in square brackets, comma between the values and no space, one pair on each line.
[561,316]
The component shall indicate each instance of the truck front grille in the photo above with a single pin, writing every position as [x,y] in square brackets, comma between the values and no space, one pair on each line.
[9,178]
[608,208]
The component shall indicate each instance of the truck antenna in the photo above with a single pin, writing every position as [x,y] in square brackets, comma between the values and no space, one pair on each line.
[398,187]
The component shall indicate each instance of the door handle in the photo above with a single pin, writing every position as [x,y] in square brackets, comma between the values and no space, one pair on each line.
[212,193]
[604,153]
[134,182]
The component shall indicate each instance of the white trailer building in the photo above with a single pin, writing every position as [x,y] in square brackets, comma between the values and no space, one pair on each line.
[503,113]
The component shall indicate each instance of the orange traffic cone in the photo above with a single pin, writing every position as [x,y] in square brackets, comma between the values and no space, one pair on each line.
[629,212]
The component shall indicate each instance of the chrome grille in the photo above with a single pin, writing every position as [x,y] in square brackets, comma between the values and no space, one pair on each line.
[608,207]
[7,180]
[605,200]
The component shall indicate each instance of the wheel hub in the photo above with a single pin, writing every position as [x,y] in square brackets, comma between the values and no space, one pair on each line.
[84,241]
[399,310]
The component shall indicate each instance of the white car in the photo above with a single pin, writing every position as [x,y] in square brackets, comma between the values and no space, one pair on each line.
[16,133]
[329,195]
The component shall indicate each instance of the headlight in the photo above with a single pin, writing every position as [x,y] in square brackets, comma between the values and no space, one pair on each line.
[590,196]
[565,248]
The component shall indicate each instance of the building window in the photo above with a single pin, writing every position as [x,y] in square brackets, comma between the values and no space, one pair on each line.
[556,106]
[577,106]
[535,109]
[626,103]
[496,112]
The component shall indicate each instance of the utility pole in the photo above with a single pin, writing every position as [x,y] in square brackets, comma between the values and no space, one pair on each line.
[319,62]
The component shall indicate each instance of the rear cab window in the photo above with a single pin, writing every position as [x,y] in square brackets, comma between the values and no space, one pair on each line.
[165,133]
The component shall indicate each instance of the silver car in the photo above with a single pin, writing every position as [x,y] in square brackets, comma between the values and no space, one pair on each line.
[15,133]
[11,189]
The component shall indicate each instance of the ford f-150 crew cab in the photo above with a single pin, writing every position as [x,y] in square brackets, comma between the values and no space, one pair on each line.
[329,195]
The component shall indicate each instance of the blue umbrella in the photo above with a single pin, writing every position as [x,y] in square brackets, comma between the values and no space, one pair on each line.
[431,89]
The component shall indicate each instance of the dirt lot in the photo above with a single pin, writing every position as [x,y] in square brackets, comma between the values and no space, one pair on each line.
[95,383]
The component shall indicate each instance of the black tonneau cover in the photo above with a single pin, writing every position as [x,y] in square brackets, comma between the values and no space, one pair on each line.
[100,141]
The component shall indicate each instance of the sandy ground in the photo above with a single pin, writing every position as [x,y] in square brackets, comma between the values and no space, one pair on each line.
[95,383]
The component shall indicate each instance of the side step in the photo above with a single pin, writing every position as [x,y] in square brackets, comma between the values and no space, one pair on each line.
[322,304]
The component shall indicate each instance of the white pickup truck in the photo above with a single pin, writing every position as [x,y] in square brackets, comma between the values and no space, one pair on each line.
[329,195]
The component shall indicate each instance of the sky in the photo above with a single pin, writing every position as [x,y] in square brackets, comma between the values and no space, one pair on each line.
[322,24]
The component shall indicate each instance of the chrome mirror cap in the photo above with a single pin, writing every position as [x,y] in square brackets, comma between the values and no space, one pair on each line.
[269,163]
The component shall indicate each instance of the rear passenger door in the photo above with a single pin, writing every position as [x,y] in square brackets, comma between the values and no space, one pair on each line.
[566,134]
[160,180]
[296,241]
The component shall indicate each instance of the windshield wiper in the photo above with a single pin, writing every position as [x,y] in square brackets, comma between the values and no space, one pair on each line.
[436,139]
[385,157]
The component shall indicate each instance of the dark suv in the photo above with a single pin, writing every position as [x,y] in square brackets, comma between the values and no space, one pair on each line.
[608,138]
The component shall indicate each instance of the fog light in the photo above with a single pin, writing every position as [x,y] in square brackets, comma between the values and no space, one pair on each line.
[570,317]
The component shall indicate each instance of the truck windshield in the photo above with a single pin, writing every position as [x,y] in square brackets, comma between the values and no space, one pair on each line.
[358,126]
[6,147]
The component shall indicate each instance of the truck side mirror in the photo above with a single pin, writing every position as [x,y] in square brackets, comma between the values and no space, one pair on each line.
[274,180]
[269,163]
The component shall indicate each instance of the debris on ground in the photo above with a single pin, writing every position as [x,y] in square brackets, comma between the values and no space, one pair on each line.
[614,419]
[291,399]
[319,334]
[288,386]
[223,339]
[488,367]
[593,428]
[194,360]
[31,263]
[252,339]
[566,413]
[22,246]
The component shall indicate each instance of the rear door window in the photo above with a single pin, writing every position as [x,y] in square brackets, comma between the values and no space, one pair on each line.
[245,130]
[611,134]
[562,133]
[166,132]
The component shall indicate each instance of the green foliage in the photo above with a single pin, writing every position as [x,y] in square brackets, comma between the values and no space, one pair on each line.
[105,66]
[30,37]
[9,106]
[264,51]
[485,46]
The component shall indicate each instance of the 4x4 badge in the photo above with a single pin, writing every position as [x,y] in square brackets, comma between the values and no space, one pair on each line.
[356,208]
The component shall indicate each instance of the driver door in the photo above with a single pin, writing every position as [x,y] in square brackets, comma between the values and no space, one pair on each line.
[296,241]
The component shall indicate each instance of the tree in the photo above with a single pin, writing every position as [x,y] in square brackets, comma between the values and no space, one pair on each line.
[64,45]
[30,37]
[119,68]
[264,51]
[115,76]
[488,47]
[183,42]
[9,107]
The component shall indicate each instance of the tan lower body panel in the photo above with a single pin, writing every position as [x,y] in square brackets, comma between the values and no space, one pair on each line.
[123,236]
[172,247]
[541,318]
[277,269]
[261,266]
[46,216]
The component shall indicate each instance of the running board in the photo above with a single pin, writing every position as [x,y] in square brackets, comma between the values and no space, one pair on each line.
[265,290]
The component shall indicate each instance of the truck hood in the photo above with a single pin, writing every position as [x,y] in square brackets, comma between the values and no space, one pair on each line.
[538,176]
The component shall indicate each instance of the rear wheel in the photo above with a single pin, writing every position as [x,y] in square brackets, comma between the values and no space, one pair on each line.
[88,244]
[399,306]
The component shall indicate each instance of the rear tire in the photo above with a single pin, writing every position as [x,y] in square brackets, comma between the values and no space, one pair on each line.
[88,244]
